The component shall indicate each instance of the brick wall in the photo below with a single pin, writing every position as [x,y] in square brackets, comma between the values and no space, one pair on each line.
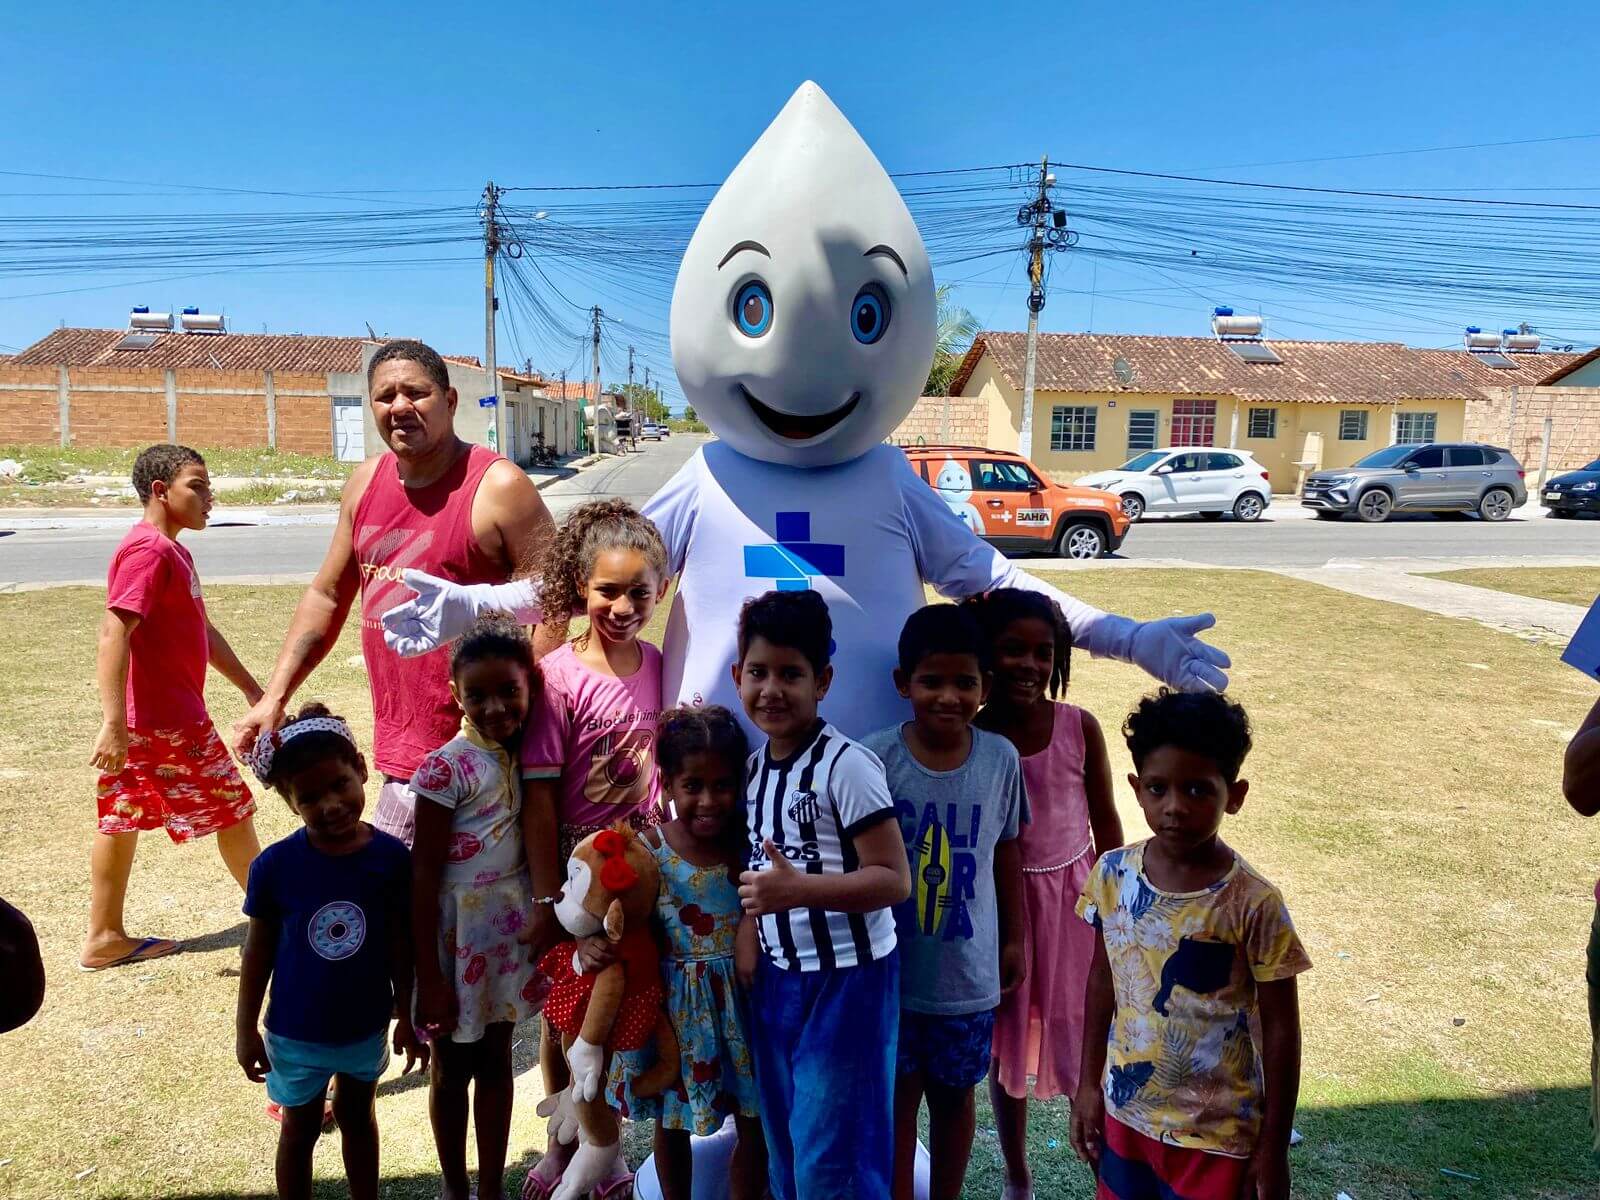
[1574,424]
[29,411]
[123,406]
[115,406]
[925,424]
[222,408]
[305,413]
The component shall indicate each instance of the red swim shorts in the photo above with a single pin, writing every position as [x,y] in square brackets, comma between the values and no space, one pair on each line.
[182,780]
[1136,1167]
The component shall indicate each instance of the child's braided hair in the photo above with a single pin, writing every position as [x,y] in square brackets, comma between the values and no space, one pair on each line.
[589,531]
[997,609]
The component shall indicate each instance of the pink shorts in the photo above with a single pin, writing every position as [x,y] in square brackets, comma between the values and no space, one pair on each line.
[182,780]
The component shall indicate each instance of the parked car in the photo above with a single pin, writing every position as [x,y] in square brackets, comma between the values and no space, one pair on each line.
[1426,477]
[1188,479]
[1012,505]
[1575,492]
[650,432]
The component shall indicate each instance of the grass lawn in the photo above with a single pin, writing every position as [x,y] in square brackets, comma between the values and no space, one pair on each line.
[1411,815]
[1569,585]
[45,470]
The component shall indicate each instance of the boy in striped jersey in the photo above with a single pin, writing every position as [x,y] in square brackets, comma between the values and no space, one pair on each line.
[817,946]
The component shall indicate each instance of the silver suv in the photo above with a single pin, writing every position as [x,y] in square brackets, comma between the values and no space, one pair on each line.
[1435,477]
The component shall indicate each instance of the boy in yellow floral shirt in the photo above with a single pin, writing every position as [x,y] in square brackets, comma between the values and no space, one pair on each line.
[1191,1042]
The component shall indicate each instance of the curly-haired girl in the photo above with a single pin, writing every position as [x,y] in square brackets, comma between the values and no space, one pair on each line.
[328,928]
[588,759]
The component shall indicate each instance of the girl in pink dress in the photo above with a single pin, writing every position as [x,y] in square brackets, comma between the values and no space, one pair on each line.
[1038,1029]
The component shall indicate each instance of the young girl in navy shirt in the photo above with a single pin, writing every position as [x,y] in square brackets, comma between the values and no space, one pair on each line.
[328,928]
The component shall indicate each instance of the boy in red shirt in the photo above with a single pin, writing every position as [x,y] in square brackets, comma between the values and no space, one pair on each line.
[160,759]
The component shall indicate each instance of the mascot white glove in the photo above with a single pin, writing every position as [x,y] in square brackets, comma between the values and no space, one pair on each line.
[441,611]
[1167,649]
[587,1062]
[563,1114]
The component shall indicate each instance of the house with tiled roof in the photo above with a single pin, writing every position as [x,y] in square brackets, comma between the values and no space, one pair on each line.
[157,381]
[1099,399]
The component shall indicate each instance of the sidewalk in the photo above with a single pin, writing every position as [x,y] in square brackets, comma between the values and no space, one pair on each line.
[1391,580]
[118,516]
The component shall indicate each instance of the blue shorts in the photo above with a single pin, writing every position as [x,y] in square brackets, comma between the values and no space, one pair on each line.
[823,1044]
[300,1071]
[952,1051]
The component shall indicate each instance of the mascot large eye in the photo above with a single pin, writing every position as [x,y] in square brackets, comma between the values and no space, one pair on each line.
[869,315]
[752,309]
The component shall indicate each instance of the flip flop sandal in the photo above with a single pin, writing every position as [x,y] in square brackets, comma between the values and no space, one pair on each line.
[148,950]
[618,1187]
[535,1186]
[275,1111]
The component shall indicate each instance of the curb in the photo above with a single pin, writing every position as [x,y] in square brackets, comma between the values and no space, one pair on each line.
[30,519]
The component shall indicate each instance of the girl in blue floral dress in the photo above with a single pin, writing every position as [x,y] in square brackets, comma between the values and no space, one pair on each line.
[701,752]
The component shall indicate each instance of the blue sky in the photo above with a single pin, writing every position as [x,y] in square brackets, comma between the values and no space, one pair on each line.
[425,105]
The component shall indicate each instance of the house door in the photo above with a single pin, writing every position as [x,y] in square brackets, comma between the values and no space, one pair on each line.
[349,428]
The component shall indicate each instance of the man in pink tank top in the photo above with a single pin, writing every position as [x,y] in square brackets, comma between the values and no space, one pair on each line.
[433,502]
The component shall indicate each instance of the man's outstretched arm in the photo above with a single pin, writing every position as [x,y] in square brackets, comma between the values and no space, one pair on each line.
[317,620]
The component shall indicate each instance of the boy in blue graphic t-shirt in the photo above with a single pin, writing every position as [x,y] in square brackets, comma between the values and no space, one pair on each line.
[959,797]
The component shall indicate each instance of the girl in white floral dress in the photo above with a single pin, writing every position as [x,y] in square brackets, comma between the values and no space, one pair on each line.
[470,902]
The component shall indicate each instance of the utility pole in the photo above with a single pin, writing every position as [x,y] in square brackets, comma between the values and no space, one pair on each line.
[1047,226]
[636,418]
[595,337]
[491,247]
[576,442]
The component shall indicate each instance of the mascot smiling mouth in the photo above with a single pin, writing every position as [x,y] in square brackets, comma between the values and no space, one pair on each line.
[799,428]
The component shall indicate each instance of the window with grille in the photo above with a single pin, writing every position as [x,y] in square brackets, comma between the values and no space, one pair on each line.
[1353,425]
[1416,426]
[1072,427]
[1144,425]
[1194,422]
[1263,423]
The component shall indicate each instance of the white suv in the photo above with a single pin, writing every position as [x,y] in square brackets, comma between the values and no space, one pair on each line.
[1188,479]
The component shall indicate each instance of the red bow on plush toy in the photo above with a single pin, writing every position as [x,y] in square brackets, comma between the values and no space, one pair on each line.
[615,875]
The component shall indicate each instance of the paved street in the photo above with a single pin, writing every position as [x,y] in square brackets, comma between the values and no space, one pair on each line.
[1285,537]
[292,552]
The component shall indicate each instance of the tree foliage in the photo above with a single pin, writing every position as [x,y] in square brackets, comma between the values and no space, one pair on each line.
[957,327]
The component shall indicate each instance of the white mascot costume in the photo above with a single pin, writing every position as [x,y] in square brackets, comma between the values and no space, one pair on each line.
[802,332]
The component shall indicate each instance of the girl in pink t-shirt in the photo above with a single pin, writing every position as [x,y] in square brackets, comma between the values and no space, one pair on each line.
[588,759]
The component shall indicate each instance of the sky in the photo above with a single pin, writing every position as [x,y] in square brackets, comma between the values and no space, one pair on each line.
[417,106]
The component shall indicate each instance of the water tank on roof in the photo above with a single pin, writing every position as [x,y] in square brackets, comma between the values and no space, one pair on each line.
[143,319]
[1522,343]
[1225,325]
[1477,339]
[195,321]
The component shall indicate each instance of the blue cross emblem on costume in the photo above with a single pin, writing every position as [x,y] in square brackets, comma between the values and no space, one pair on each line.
[794,560]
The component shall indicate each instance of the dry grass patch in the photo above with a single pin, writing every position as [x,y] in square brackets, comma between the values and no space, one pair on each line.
[1569,585]
[1408,806]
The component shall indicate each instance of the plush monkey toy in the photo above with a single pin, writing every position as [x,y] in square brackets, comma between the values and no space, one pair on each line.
[611,887]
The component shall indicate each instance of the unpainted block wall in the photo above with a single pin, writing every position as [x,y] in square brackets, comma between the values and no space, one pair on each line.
[29,409]
[1574,425]
[112,406]
[925,424]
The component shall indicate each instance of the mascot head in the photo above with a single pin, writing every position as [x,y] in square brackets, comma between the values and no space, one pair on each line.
[803,316]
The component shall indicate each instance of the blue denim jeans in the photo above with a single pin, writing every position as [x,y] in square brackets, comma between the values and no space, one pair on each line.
[824,1045]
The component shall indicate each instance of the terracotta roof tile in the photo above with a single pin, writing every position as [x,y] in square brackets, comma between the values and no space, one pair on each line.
[225,352]
[1310,373]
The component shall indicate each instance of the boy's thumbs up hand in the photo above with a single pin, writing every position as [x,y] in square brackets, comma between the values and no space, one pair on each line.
[773,890]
